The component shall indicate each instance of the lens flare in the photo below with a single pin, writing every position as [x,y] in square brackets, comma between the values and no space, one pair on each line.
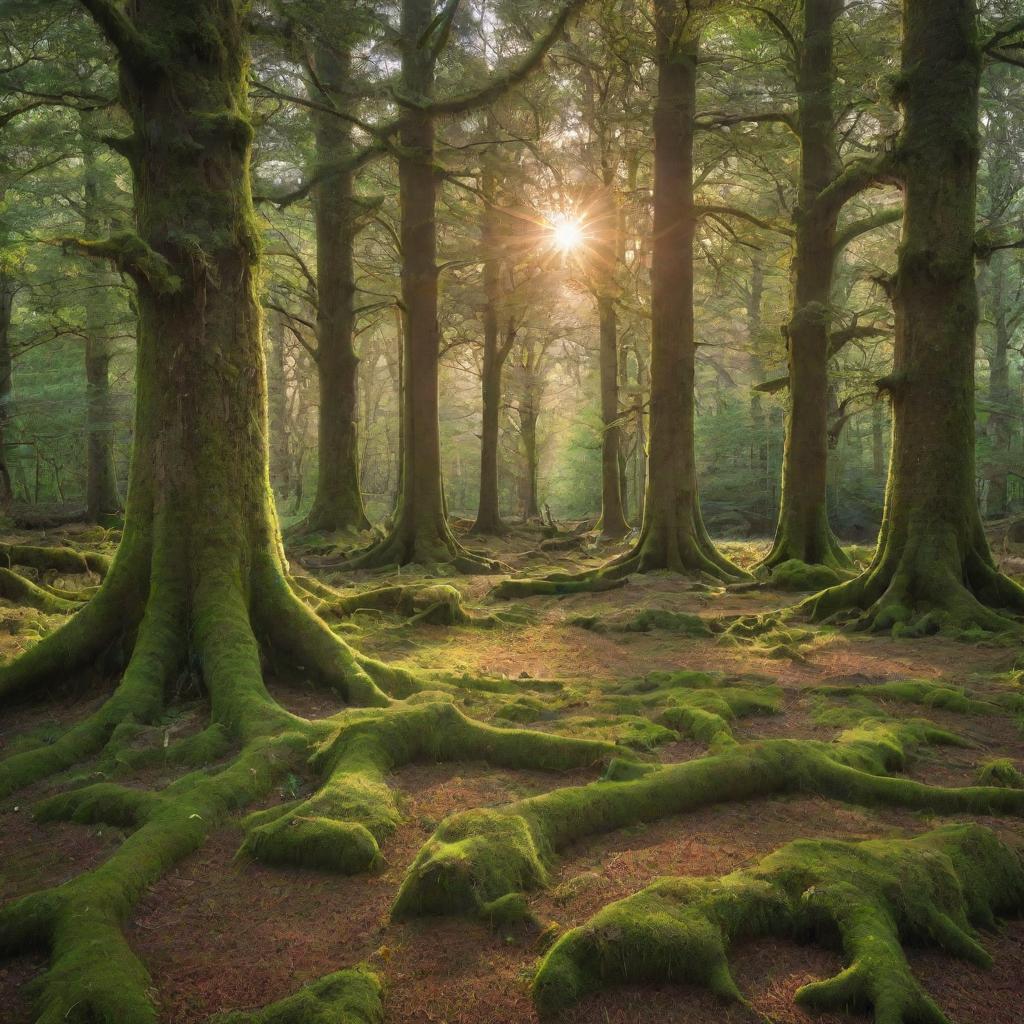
[567,234]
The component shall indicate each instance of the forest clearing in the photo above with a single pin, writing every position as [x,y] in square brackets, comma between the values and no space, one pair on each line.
[511,512]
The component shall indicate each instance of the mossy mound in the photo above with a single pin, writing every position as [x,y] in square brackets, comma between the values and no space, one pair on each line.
[1000,772]
[872,896]
[645,620]
[347,997]
[919,691]
[796,575]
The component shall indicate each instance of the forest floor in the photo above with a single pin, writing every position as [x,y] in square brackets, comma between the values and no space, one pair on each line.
[220,932]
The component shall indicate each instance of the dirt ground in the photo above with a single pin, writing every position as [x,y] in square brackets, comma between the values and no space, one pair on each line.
[220,933]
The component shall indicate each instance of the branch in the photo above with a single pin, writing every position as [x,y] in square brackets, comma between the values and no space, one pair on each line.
[132,47]
[854,179]
[856,228]
[131,255]
[701,210]
[712,120]
[500,84]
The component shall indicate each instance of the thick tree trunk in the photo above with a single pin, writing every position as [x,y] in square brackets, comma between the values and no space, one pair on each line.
[337,504]
[933,566]
[101,497]
[673,534]
[803,530]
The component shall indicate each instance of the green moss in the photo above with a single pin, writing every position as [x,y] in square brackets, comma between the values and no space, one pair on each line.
[915,691]
[347,997]
[873,895]
[474,857]
[341,826]
[797,575]
[644,621]
[557,584]
[1000,772]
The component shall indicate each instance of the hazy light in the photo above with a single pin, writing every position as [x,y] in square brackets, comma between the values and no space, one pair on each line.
[567,234]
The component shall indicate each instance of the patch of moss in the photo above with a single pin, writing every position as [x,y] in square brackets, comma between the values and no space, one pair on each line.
[474,857]
[915,691]
[346,997]
[1000,772]
[645,620]
[874,895]
[797,575]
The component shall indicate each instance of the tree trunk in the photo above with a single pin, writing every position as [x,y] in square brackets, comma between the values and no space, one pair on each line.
[420,532]
[337,504]
[528,415]
[488,516]
[933,567]
[613,518]
[999,421]
[101,497]
[7,292]
[803,530]
[673,534]
[277,404]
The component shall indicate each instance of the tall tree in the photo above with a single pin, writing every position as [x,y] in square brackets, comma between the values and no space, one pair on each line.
[673,535]
[803,531]
[338,503]
[933,566]
[420,531]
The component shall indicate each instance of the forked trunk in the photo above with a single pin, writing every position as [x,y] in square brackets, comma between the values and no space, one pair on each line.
[933,567]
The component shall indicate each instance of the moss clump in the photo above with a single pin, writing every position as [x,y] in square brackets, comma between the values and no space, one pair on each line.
[797,575]
[556,585]
[872,895]
[473,858]
[347,997]
[1000,772]
[645,621]
[915,691]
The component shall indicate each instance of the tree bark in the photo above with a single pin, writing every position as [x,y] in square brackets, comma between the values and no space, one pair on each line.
[999,421]
[101,497]
[673,535]
[933,567]
[277,405]
[420,531]
[613,517]
[496,350]
[7,293]
[803,531]
[337,504]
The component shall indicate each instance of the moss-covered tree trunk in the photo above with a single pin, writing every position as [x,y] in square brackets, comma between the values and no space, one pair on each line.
[101,497]
[933,566]
[338,503]
[200,568]
[803,530]
[673,534]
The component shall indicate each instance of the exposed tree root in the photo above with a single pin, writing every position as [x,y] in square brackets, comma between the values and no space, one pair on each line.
[873,895]
[63,560]
[404,547]
[346,997]
[650,554]
[644,620]
[341,826]
[923,589]
[480,856]
[793,574]
[929,694]
[556,584]
[19,590]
